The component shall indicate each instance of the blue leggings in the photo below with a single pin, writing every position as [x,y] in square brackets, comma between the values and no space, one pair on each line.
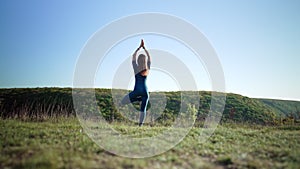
[138,95]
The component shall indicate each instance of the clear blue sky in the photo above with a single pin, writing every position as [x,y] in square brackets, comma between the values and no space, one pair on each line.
[257,41]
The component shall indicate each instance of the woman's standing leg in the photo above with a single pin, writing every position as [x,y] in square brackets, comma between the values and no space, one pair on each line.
[143,109]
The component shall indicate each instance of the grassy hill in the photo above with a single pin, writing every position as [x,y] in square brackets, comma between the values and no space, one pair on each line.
[43,103]
[35,134]
[283,108]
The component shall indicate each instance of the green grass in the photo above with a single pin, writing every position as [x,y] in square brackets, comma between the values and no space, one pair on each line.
[62,144]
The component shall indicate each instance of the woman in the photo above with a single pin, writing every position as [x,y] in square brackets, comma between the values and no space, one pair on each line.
[140,93]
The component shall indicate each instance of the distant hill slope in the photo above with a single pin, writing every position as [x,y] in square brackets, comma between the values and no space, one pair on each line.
[283,107]
[40,103]
[239,108]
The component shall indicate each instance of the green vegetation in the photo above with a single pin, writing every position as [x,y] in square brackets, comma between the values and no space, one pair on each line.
[284,108]
[38,129]
[44,103]
[62,144]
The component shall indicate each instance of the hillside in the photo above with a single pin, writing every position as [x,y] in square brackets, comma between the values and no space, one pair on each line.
[43,103]
[283,108]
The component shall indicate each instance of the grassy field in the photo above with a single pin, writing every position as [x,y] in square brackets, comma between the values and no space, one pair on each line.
[62,144]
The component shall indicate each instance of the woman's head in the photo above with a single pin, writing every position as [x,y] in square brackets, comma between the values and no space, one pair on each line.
[142,62]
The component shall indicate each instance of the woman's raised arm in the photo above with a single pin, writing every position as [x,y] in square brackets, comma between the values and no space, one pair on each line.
[135,52]
[147,53]
[134,55]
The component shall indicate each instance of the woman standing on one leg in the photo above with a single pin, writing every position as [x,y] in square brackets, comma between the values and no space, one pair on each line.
[140,93]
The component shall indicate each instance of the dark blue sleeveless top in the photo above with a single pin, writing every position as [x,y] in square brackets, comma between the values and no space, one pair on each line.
[140,80]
